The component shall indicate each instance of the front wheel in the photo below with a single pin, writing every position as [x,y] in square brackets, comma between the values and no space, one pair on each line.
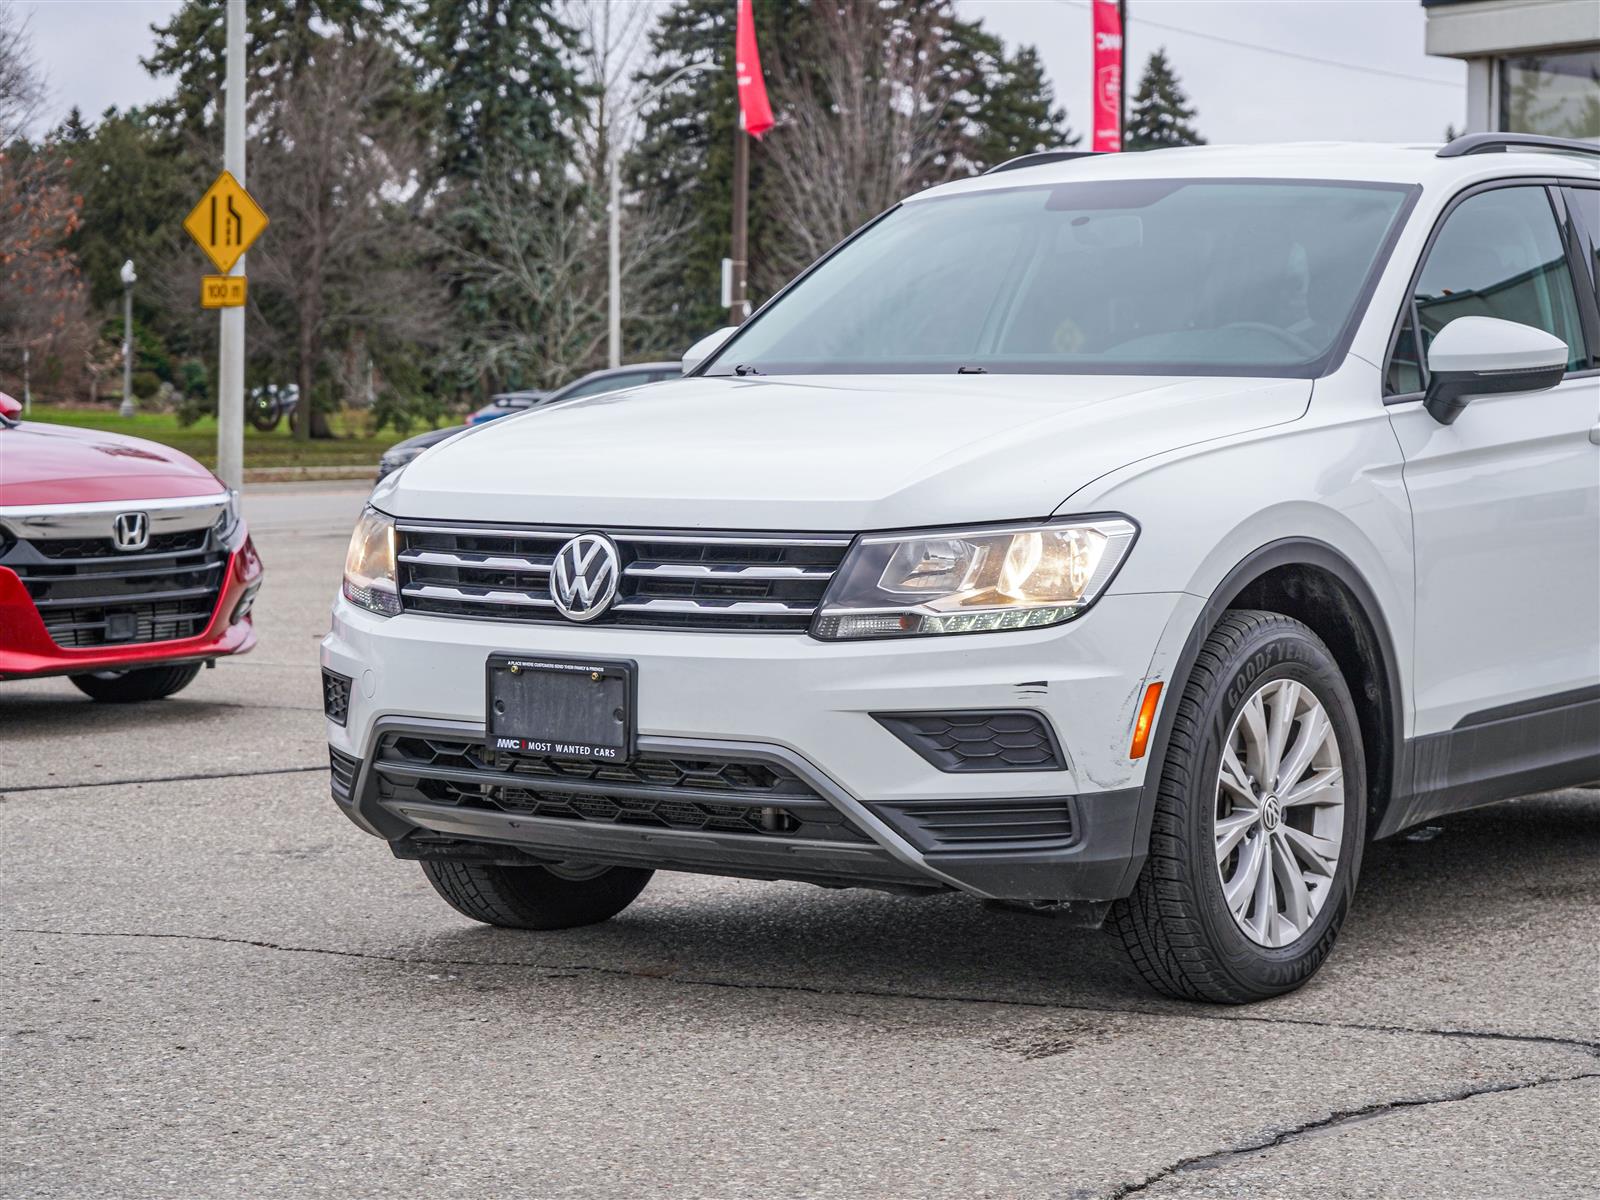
[560,896]
[128,687]
[1259,823]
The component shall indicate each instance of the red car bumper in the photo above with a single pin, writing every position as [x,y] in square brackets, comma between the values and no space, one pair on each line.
[27,650]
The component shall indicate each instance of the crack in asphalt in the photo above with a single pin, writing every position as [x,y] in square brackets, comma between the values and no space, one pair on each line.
[1201,1162]
[657,975]
[67,787]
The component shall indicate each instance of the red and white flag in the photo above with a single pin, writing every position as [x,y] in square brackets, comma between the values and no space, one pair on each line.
[1107,108]
[755,114]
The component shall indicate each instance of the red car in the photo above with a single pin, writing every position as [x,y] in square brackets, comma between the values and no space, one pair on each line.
[124,565]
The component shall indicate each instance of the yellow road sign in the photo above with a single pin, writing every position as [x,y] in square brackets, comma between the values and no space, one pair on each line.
[223,291]
[225,222]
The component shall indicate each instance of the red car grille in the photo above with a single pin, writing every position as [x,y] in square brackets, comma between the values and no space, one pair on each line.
[90,594]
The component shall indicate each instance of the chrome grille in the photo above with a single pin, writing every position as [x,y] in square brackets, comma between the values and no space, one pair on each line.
[758,581]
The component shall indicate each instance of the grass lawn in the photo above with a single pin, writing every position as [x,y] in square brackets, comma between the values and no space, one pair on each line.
[352,447]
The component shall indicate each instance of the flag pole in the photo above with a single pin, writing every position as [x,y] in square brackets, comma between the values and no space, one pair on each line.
[740,308]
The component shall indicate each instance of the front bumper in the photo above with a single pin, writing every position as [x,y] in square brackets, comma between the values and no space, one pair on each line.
[804,707]
[27,650]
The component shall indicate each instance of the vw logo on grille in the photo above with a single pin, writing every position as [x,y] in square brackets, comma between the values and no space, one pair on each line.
[584,580]
[131,531]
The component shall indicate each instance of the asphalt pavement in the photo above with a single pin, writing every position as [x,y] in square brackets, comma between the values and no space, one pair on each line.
[211,984]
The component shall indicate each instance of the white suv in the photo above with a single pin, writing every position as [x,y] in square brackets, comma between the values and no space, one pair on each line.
[1129,537]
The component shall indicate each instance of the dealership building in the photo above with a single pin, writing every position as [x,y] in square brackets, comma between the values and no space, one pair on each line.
[1533,66]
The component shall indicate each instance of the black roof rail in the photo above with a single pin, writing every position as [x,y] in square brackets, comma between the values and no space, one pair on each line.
[1488,143]
[1039,158]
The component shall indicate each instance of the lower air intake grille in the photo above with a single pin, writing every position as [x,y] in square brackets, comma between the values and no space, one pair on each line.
[994,740]
[1043,823]
[692,794]
[88,593]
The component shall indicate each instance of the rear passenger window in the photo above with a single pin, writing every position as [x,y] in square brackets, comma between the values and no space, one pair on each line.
[1499,254]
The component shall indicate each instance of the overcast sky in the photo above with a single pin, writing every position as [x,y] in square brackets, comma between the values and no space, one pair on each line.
[1325,68]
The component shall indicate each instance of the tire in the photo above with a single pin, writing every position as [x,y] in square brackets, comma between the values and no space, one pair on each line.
[265,416]
[535,897]
[1178,925]
[130,687]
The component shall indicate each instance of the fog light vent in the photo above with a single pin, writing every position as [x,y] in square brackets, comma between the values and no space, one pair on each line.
[335,697]
[988,740]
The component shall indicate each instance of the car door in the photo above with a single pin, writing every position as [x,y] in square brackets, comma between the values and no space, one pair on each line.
[1506,501]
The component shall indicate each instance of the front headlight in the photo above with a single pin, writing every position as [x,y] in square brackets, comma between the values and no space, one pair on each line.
[973,580]
[228,523]
[369,581]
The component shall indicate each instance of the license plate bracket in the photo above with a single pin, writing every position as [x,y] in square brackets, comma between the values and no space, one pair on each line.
[567,708]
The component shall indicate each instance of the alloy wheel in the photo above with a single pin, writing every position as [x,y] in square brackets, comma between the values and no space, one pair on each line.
[1279,813]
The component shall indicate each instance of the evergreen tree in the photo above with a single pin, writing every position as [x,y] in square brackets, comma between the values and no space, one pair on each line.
[1161,115]
[133,184]
[1012,109]
[191,48]
[502,77]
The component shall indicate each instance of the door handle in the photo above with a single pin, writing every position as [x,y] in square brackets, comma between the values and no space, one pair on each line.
[1594,434]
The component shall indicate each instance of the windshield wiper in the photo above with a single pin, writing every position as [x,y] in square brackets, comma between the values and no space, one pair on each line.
[742,369]
[972,370]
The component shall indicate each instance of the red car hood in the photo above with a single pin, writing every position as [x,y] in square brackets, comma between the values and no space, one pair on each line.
[59,464]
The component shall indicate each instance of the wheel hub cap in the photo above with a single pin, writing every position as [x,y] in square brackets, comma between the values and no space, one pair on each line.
[1279,824]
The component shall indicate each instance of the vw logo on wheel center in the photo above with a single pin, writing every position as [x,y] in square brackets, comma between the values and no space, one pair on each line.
[584,579]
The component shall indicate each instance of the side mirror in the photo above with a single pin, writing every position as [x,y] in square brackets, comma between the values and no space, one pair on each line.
[9,408]
[710,344]
[1484,356]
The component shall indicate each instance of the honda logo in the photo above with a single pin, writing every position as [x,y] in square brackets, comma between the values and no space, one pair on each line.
[583,581]
[131,531]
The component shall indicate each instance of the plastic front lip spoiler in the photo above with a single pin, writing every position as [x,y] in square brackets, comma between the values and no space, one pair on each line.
[1091,869]
[890,841]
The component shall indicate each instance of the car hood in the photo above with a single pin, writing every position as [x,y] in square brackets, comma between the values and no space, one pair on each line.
[825,452]
[61,464]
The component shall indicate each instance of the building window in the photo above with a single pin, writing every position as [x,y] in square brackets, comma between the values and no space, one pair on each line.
[1557,94]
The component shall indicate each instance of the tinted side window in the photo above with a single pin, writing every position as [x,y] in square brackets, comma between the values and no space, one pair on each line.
[1585,202]
[1500,255]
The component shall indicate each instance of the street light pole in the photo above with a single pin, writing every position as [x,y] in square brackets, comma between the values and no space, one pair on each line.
[614,233]
[128,280]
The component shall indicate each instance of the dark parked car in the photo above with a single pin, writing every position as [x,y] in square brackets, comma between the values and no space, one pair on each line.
[613,379]
[504,404]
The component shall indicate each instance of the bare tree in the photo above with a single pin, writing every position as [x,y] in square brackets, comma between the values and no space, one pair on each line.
[613,40]
[531,252]
[338,167]
[43,299]
[863,121]
[22,86]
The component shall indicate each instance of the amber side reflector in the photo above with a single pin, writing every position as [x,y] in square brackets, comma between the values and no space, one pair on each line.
[1146,721]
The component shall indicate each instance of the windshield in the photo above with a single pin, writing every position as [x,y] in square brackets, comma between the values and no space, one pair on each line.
[1160,277]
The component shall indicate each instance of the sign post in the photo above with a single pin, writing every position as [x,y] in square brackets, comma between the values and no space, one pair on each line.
[230,364]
